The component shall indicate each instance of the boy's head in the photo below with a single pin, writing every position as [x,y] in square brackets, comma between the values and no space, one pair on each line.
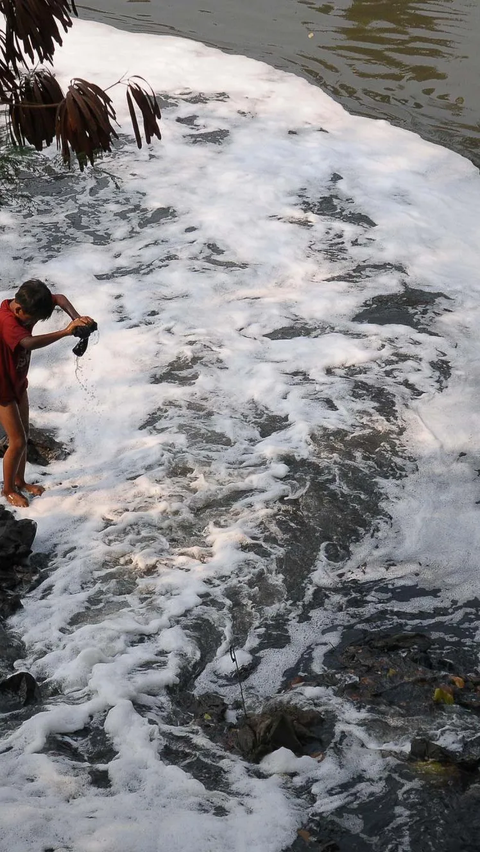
[35,300]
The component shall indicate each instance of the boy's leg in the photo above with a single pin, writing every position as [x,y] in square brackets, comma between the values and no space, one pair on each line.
[11,421]
[20,483]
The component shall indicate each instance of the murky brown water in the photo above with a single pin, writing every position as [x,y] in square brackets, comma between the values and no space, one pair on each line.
[416,63]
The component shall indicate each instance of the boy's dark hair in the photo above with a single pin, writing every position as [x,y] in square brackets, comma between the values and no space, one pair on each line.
[36,299]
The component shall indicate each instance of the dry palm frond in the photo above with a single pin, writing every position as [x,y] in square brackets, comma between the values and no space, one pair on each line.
[32,28]
[148,106]
[7,76]
[33,109]
[83,122]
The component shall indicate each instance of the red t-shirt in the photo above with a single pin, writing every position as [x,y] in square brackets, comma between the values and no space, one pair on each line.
[14,359]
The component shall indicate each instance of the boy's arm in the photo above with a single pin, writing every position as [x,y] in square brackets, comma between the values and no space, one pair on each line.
[38,341]
[61,301]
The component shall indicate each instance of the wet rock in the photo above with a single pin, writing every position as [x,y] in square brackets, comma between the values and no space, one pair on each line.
[11,650]
[209,708]
[17,534]
[399,641]
[10,602]
[411,307]
[306,841]
[406,671]
[14,582]
[16,577]
[385,649]
[42,447]
[16,539]
[18,691]
[304,732]
[466,759]
[100,778]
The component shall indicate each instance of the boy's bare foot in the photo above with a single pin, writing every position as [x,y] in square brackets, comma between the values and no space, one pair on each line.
[34,490]
[16,499]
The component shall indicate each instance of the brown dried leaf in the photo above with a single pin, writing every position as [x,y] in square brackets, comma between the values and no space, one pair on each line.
[83,122]
[32,109]
[32,28]
[304,834]
[148,106]
[133,117]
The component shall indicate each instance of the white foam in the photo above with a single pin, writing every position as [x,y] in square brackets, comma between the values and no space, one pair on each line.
[240,251]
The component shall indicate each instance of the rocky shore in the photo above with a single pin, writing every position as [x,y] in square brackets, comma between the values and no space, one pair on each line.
[19,573]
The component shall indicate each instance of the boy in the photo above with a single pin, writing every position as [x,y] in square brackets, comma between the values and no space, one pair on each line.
[32,302]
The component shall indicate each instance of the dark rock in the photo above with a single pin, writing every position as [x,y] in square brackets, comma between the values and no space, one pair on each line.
[16,539]
[10,602]
[423,749]
[404,671]
[397,641]
[281,725]
[210,706]
[207,709]
[100,777]
[282,734]
[411,307]
[17,691]
[42,447]
[305,841]
[16,577]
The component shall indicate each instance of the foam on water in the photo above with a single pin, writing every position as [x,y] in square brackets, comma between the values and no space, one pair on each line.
[236,271]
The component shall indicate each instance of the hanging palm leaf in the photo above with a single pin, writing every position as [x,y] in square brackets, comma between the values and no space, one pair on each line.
[38,111]
[148,106]
[34,107]
[32,28]
[7,76]
[83,122]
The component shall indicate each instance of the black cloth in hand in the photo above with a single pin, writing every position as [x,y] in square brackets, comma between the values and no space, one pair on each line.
[83,332]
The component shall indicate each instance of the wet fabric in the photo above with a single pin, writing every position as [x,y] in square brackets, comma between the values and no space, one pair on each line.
[14,359]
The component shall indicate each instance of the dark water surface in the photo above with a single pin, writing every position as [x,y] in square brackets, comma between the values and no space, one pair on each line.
[416,64]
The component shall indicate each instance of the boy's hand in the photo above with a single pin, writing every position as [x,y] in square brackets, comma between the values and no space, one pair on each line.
[77,322]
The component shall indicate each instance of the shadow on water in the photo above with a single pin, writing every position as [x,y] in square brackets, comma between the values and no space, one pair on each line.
[414,63]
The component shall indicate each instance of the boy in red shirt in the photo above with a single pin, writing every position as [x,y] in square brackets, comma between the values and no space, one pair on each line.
[32,302]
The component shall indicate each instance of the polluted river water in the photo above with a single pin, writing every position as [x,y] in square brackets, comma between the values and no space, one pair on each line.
[413,62]
[270,499]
